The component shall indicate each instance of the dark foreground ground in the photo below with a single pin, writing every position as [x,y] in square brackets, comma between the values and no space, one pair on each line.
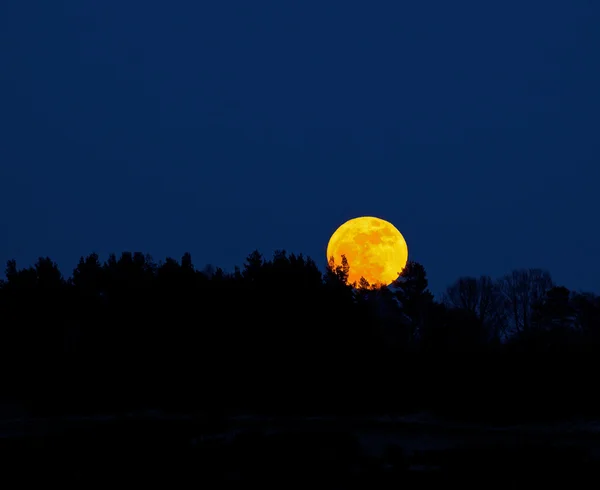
[180,451]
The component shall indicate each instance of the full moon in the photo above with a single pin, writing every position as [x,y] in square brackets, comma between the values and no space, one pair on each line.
[373,247]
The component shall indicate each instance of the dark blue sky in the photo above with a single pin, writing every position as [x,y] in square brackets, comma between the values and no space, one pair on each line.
[224,126]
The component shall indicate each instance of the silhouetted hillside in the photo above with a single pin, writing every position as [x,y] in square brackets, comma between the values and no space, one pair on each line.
[280,336]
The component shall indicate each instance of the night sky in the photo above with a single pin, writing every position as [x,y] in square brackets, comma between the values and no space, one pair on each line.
[226,126]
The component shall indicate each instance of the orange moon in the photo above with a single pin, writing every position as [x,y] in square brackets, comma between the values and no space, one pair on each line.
[373,247]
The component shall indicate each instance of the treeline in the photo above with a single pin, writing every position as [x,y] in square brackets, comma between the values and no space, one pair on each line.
[278,335]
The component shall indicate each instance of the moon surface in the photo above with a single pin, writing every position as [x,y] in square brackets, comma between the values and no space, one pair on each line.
[373,247]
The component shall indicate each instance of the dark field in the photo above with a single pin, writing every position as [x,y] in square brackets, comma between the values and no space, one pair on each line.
[180,451]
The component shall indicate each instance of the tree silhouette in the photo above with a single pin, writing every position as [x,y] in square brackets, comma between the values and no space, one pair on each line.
[521,290]
[363,284]
[414,296]
[129,333]
[554,310]
[587,316]
[338,273]
[482,298]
